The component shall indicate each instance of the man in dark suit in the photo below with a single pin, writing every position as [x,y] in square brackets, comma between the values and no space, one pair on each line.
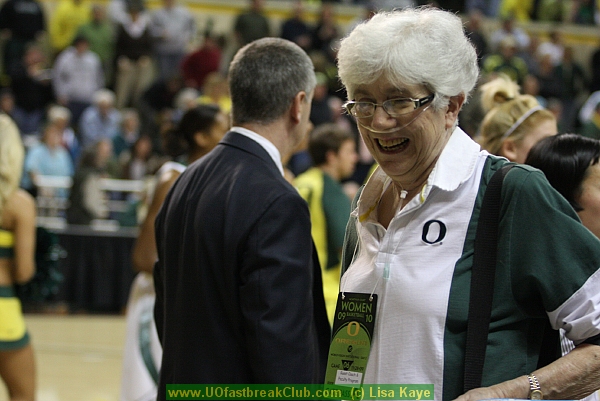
[239,297]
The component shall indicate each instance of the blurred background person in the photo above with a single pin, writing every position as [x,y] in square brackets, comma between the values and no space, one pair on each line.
[60,117]
[86,200]
[47,158]
[17,265]
[199,64]
[133,56]
[101,120]
[591,128]
[30,82]
[100,34]
[129,132]
[173,28]
[333,153]
[251,24]
[513,122]
[200,129]
[77,75]
[296,29]
[64,22]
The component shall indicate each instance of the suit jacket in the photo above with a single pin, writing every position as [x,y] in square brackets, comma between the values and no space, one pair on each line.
[239,296]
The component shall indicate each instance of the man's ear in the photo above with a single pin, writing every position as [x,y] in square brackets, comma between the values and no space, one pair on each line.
[509,149]
[454,105]
[296,109]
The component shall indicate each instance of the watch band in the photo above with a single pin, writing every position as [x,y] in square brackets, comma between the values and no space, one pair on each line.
[535,391]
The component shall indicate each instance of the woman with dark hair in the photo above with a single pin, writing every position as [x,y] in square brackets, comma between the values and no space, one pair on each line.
[571,164]
[199,131]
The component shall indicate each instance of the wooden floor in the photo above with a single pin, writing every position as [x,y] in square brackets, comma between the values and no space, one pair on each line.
[78,357]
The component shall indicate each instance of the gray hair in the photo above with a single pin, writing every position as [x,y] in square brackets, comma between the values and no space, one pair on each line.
[420,46]
[265,76]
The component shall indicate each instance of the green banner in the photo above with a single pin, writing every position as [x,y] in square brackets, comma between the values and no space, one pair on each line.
[299,392]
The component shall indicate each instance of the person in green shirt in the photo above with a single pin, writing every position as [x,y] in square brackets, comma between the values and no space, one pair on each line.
[333,152]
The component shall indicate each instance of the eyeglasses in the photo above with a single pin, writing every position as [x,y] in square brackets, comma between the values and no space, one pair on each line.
[394,107]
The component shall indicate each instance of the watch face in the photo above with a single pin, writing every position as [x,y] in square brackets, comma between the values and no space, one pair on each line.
[536,395]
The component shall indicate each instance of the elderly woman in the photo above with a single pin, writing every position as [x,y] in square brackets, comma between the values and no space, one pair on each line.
[410,238]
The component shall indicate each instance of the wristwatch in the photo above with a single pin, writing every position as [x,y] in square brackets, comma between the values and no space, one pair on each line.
[535,392]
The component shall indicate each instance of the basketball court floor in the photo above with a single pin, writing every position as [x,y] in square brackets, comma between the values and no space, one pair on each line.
[78,357]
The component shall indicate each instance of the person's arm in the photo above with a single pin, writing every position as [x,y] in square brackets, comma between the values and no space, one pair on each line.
[23,205]
[559,279]
[144,252]
[572,377]
[276,286]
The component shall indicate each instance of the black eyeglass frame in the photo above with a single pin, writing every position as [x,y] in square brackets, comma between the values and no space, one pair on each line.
[349,106]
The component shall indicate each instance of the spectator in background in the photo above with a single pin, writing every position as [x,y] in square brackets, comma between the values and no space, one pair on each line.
[595,70]
[100,34]
[295,29]
[552,48]
[216,91]
[506,61]
[573,83]
[129,132]
[584,12]
[47,158]
[173,28]
[488,7]
[551,10]
[139,162]
[333,152]
[65,21]
[531,86]
[133,52]
[30,82]
[158,98]
[591,128]
[530,55]
[100,120]
[474,31]
[21,22]
[197,65]
[508,28]
[520,10]
[548,78]
[326,32]
[251,24]
[77,75]
[513,122]
[60,117]
[320,112]
[86,200]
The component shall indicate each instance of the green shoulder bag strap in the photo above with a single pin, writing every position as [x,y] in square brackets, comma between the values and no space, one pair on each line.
[482,288]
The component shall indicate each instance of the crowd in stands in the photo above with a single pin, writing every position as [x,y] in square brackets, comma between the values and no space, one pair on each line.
[88,77]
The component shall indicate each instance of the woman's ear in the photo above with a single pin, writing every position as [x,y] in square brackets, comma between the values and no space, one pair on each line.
[454,105]
[508,149]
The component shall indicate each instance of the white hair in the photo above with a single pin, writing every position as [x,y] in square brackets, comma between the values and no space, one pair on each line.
[420,46]
[104,96]
[58,113]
